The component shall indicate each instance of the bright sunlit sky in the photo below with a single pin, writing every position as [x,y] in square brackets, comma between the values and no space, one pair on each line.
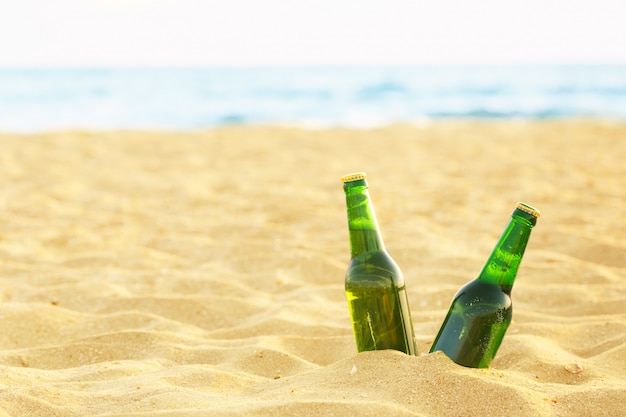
[70,33]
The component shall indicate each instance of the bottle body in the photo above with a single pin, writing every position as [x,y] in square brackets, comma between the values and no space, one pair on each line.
[475,324]
[481,311]
[374,284]
[378,304]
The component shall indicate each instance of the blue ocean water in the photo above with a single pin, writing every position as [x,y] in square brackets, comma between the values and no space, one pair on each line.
[37,99]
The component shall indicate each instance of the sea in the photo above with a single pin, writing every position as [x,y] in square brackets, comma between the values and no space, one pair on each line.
[33,100]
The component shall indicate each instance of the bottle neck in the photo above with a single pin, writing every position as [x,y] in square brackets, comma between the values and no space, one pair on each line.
[362,224]
[503,263]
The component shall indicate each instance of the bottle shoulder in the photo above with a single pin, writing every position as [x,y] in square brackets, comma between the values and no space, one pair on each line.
[477,292]
[374,269]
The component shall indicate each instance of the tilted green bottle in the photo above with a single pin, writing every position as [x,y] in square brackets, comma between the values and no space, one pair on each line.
[375,288]
[481,310]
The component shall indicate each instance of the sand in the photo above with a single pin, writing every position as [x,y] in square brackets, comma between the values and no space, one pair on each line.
[201,273]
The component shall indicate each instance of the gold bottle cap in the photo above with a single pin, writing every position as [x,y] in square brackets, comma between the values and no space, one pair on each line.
[353,177]
[528,209]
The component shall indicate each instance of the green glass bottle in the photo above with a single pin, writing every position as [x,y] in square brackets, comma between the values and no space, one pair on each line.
[375,289]
[481,310]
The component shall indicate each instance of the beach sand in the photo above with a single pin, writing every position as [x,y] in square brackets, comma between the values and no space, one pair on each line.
[201,273]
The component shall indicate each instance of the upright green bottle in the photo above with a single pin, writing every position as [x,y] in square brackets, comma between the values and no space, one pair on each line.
[375,289]
[481,310]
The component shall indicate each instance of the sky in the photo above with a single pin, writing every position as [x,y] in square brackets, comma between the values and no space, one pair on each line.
[144,33]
